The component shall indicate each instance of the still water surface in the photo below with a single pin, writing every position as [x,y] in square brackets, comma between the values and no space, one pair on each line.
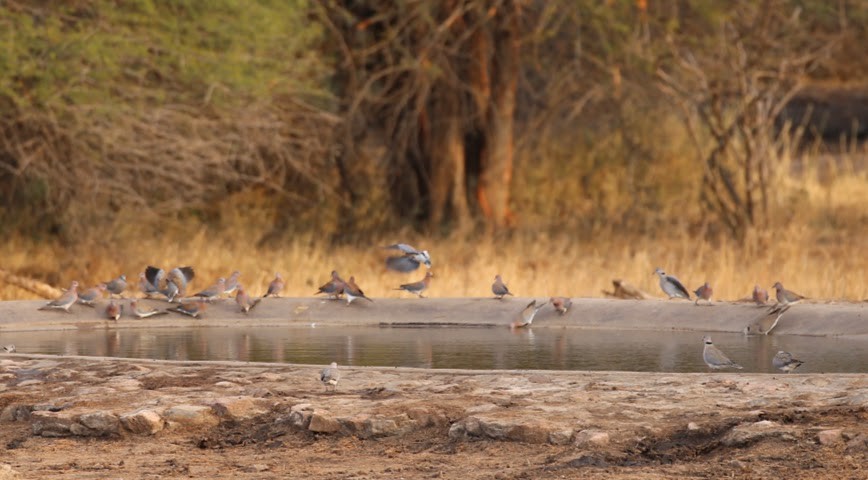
[474,348]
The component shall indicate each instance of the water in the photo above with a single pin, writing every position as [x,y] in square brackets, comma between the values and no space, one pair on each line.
[474,348]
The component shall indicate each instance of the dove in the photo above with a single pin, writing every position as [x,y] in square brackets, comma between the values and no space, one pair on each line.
[142,313]
[785,362]
[703,293]
[171,291]
[330,376]
[409,261]
[116,286]
[525,318]
[232,282]
[714,358]
[786,297]
[192,309]
[760,296]
[243,300]
[214,291]
[417,288]
[499,288]
[352,291]
[561,304]
[113,311]
[9,348]
[64,301]
[671,286]
[275,287]
[91,295]
[179,276]
[334,287]
[146,287]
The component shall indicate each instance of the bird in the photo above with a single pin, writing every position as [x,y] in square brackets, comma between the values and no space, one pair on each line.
[499,288]
[171,291]
[91,295]
[116,286]
[525,318]
[113,311]
[141,313]
[417,288]
[561,304]
[409,261]
[786,297]
[703,293]
[275,287]
[214,291]
[64,301]
[146,287]
[785,362]
[192,309]
[9,348]
[243,300]
[760,296]
[180,276]
[330,376]
[352,291]
[232,282]
[714,358]
[671,286]
[334,287]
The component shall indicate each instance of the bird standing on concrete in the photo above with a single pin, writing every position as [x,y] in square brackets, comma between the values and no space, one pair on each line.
[525,318]
[113,311]
[243,300]
[214,291]
[91,295]
[64,301]
[352,291]
[714,358]
[330,376]
[786,297]
[498,288]
[191,309]
[409,261]
[759,296]
[417,288]
[232,283]
[116,286]
[703,293]
[143,313]
[785,362]
[561,304]
[275,287]
[334,287]
[671,286]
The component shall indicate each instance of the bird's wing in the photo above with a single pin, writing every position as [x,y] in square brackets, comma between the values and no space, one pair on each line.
[677,284]
[402,263]
[154,275]
[402,247]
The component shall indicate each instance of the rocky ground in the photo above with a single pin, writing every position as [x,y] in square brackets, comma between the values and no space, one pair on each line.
[68,417]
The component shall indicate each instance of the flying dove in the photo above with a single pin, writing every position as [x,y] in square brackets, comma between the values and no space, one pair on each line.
[714,358]
[352,291]
[275,287]
[192,309]
[409,261]
[671,286]
[417,288]
[330,376]
[171,291]
[499,288]
[116,286]
[214,291]
[525,318]
[146,287]
[232,282]
[243,300]
[9,348]
[760,296]
[142,313]
[703,293]
[180,276]
[64,301]
[785,362]
[334,287]
[91,295]
[561,304]
[113,310]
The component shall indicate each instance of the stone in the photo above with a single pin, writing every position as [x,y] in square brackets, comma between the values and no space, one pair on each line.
[692,426]
[591,437]
[190,415]
[16,413]
[52,424]
[100,423]
[387,426]
[27,383]
[457,431]
[238,408]
[323,422]
[859,443]
[560,437]
[830,437]
[143,422]
[746,433]
[124,384]
[7,473]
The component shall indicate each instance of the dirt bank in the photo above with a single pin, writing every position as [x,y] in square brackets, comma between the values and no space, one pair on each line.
[804,319]
[108,418]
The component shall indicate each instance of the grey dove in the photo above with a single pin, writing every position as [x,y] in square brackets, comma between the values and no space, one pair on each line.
[670,285]
[562,304]
[140,312]
[191,309]
[417,288]
[704,292]
[64,301]
[232,282]
[212,292]
[91,295]
[525,318]
[498,288]
[330,376]
[714,358]
[243,300]
[146,286]
[275,287]
[409,261]
[785,362]
[334,287]
[116,286]
[352,291]
[171,291]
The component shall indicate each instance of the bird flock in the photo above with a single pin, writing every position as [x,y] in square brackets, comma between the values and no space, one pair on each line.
[154,282]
